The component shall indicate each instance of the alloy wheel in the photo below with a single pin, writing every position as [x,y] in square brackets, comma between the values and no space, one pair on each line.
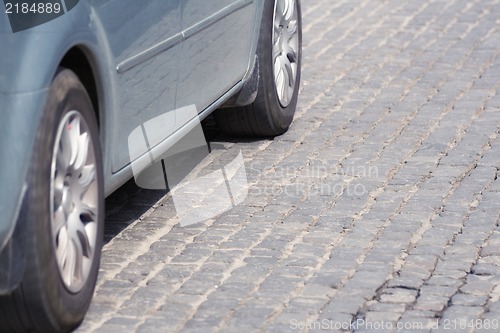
[285,49]
[74,200]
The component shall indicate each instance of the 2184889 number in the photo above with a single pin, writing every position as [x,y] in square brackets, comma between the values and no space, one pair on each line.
[35,8]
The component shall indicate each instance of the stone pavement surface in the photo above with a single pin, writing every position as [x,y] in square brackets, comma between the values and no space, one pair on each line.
[378,211]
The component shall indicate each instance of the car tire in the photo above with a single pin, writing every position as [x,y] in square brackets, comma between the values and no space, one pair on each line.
[63,212]
[279,52]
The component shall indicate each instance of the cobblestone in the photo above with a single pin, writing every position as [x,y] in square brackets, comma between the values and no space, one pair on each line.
[381,203]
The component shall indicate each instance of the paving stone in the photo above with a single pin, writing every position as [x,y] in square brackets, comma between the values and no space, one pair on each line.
[379,203]
[429,302]
[438,290]
[477,285]
[469,300]
[398,295]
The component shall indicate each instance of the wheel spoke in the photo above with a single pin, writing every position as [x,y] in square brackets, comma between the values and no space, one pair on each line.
[87,178]
[82,153]
[280,11]
[64,152]
[73,128]
[78,235]
[292,29]
[59,221]
[276,52]
[285,11]
[58,190]
[286,76]
[70,264]
[78,262]
[62,247]
[279,75]
[290,11]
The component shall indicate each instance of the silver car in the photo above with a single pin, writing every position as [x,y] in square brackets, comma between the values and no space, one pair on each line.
[77,77]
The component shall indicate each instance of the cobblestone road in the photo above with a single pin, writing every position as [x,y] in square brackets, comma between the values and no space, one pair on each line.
[379,209]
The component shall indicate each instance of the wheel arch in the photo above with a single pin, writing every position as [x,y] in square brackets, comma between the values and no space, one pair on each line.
[79,60]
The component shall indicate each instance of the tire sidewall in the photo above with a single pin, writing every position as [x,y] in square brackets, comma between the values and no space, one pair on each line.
[62,309]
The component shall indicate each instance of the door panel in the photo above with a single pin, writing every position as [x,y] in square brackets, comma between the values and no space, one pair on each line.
[144,39]
[216,51]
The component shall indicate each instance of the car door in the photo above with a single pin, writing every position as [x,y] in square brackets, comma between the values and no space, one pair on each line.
[216,50]
[144,42]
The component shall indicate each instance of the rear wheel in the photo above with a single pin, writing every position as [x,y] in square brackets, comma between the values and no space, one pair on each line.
[279,54]
[63,212]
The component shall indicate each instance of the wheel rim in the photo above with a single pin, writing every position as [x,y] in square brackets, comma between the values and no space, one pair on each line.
[74,201]
[285,49]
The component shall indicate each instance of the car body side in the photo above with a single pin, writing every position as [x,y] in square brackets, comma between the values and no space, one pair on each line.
[79,40]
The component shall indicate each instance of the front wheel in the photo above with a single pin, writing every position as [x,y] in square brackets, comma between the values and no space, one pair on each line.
[64,215]
[279,52]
